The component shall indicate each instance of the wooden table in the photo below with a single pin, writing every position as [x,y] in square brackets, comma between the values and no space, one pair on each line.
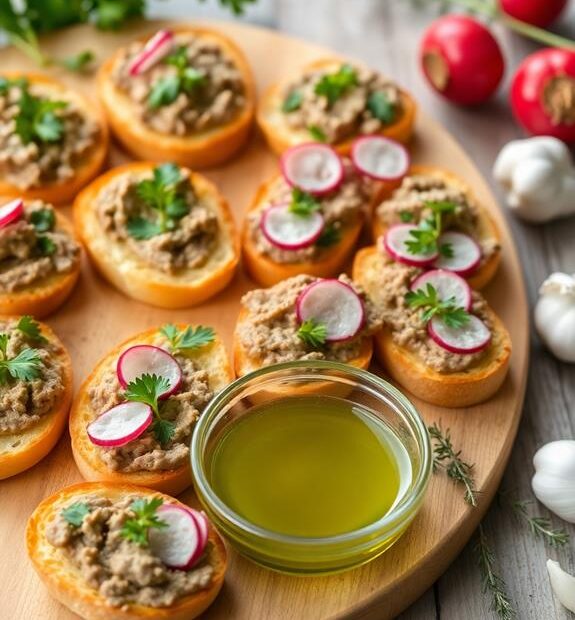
[385,33]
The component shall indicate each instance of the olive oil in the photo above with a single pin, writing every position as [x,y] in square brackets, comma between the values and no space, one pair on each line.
[310,466]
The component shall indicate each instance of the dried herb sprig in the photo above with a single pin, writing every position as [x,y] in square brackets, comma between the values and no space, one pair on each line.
[540,527]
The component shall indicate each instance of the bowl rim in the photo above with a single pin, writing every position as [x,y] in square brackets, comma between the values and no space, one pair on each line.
[388,522]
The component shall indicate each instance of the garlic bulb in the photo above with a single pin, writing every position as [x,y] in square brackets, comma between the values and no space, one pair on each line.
[538,177]
[555,315]
[563,585]
[554,479]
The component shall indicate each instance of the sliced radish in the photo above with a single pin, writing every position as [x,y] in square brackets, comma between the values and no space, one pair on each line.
[159,46]
[120,425]
[11,211]
[448,286]
[466,253]
[203,525]
[179,545]
[380,158]
[395,243]
[290,231]
[472,337]
[333,304]
[313,168]
[143,359]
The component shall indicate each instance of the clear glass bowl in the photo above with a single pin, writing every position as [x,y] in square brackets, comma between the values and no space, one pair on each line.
[301,555]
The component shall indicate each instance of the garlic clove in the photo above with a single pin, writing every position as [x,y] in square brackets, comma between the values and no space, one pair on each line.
[554,480]
[563,585]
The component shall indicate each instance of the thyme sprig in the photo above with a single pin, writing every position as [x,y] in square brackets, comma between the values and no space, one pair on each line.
[540,527]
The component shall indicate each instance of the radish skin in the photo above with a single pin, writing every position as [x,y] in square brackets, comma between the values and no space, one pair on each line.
[290,231]
[11,211]
[447,284]
[120,424]
[159,46]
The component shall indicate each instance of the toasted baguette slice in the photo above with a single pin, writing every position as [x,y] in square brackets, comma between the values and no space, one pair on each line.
[65,582]
[64,191]
[212,357]
[267,272]
[458,389]
[20,451]
[45,296]
[486,227]
[126,270]
[200,150]
[280,136]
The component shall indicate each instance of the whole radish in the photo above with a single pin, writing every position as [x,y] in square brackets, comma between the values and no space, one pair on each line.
[535,12]
[461,59]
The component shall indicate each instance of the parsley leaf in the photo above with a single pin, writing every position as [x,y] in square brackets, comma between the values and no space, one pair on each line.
[381,107]
[189,338]
[425,236]
[141,229]
[30,328]
[317,133]
[330,235]
[292,102]
[111,14]
[36,120]
[303,203]
[312,333]
[406,216]
[163,430]
[75,513]
[446,249]
[333,85]
[428,298]
[136,528]
[164,91]
[25,366]
[79,63]
[43,220]
[45,245]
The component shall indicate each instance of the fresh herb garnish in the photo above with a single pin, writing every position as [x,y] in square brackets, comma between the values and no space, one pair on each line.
[36,120]
[136,529]
[43,220]
[303,203]
[189,338]
[333,85]
[425,237]
[381,107]
[75,513]
[30,328]
[406,216]
[162,195]
[330,235]
[45,245]
[148,389]
[81,62]
[25,366]
[312,333]
[292,102]
[453,315]
[317,133]
[164,91]
[540,527]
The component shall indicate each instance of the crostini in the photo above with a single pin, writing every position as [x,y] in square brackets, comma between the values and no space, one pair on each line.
[53,141]
[40,260]
[35,392]
[460,234]
[440,339]
[307,219]
[305,318]
[185,95]
[133,417]
[120,552]
[159,233]
[333,101]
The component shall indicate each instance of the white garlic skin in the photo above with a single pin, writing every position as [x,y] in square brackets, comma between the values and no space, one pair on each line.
[538,178]
[554,479]
[555,315]
[563,585]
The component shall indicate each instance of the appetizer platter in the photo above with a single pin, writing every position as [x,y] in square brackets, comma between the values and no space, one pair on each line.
[110,335]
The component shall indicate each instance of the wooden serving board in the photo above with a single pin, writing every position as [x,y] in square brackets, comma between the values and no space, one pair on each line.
[97,317]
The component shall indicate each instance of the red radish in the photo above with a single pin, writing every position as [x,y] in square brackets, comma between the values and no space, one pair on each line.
[313,168]
[144,359]
[474,336]
[120,425]
[11,211]
[333,304]
[179,545]
[159,46]
[543,93]
[395,244]
[380,158]
[461,59]
[448,286]
[290,231]
[203,525]
[535,12]
[466,253]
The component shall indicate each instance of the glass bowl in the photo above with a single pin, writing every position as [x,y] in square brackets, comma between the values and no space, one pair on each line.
[303,555]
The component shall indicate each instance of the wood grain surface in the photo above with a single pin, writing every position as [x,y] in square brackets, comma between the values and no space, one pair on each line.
[97,317]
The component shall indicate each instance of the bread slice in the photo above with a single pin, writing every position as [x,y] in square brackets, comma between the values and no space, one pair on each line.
[47,295]
[280,136]
[211,357]
[136,279]
[199,150]
[486,227]
[64,191]
[457,389]
[267,272]
[65,582]
[20,451]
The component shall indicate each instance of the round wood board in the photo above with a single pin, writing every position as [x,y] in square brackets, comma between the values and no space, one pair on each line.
[97,317]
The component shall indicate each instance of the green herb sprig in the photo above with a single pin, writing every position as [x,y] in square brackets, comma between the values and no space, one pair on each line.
[381,107]
[312,333]
[428,298]
[26,366]
[292,102]
[425,238]
[330,235]
[30,328]
[136,529]
[189,338]
[43,220]
[540,527]
[302,203]
[36,120]
[317,133]
[333,85]
[75,513]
